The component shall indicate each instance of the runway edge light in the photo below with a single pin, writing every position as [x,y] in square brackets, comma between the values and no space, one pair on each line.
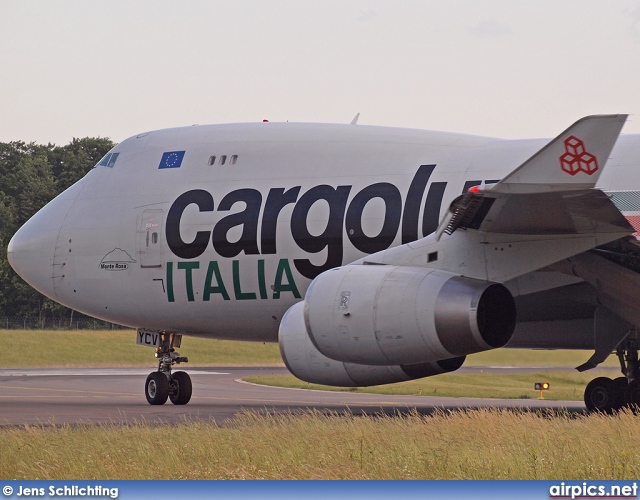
[541,386]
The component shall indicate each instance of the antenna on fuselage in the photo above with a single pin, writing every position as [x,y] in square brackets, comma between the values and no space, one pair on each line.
[355,119]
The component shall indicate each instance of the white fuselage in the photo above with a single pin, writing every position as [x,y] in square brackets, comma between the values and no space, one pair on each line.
[223,250]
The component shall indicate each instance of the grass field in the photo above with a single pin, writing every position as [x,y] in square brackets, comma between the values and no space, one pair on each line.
[478,444]
[567,386]
[109,348]
[473,444]
[530,357]
[118,348]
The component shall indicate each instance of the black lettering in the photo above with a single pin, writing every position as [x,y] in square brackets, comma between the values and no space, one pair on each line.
[414,200]
[204,200]
[331,237]
[277,199]
[393,211]
[469,184]
[248,219]
[431,214]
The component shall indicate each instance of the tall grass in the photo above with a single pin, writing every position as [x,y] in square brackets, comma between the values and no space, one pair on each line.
[475,444]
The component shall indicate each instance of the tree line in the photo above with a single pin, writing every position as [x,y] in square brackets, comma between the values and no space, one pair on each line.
[30,176]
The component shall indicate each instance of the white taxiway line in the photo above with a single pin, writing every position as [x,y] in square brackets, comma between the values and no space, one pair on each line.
[88,372]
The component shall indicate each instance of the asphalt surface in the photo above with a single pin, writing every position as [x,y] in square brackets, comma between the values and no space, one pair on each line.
[58,396]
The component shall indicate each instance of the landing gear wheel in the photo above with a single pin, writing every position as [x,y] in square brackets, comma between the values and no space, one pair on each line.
[621,381]
[180,388]
[162,384]
[620,384]
[632,395]
[600,395]
[156,389]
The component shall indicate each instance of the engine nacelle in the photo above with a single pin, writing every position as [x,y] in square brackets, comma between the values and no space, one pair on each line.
[398,315]
[308,364]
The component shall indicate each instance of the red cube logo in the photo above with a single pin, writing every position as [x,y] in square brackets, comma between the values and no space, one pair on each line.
[576,159]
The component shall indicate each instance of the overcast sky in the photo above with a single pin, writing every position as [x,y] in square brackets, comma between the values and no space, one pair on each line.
[114,68]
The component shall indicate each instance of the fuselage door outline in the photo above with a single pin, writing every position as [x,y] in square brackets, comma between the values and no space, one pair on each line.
[149,238]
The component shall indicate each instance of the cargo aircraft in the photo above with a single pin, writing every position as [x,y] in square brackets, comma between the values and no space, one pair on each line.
[371,254]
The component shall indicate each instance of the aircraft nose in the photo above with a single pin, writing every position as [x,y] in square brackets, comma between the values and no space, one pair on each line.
[31,251]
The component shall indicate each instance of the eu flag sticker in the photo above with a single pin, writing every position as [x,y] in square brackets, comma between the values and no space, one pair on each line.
[172,159]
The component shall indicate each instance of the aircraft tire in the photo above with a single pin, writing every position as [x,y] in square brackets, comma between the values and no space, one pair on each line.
[156,389]
[632,395]
[620,385]
[181,388]
[600,395]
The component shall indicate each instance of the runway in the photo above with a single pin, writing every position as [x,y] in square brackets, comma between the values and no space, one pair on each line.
[73,396]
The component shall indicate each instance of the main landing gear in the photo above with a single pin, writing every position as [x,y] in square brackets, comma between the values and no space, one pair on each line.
[606,395]
[162,384]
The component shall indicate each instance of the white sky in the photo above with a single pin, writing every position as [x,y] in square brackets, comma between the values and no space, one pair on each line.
[114,68]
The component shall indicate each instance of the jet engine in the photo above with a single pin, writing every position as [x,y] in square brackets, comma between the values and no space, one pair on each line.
[308,364]
[397,316]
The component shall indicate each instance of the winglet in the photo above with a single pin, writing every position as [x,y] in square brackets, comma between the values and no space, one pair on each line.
[573,160]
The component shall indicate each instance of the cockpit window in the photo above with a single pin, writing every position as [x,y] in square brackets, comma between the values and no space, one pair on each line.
[109,160]
[112,160]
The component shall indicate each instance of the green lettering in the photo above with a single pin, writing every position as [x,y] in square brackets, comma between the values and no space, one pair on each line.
[240,295]
[220,288]
[289,286]
[261,282]
[188,268]
[170,282]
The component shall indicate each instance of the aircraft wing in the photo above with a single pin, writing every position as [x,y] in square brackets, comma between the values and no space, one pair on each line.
[546,213]
[545,210]
[552,192]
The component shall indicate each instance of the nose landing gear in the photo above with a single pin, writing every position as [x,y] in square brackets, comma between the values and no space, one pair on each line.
[162,384]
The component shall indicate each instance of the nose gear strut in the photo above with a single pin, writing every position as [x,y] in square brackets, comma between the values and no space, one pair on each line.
[162,384]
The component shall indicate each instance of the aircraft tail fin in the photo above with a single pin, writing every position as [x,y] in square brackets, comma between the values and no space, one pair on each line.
[571,161]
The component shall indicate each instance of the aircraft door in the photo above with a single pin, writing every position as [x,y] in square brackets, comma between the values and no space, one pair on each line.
[150,238]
